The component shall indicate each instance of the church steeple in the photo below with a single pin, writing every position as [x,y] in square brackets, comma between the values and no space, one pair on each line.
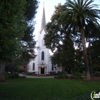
[43,23]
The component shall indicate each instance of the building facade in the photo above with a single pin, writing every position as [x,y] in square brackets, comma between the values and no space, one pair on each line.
[41,64]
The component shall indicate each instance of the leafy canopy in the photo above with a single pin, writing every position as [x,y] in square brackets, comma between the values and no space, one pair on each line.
[12,27]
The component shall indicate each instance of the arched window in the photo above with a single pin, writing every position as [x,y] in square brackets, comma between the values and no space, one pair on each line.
[52,67]
[33,66]
[42,55]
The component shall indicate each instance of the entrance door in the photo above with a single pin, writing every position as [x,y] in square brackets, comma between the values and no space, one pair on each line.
[42,70]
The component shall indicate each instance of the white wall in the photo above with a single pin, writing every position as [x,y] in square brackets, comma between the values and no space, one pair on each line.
[38,60]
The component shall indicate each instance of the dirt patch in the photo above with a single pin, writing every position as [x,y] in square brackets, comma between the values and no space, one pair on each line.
[95,78]
[92,79]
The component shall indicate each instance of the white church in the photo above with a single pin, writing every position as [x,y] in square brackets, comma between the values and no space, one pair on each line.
[41,64]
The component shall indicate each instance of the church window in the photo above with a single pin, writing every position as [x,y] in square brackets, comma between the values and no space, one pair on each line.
[52,67]
[33,66]
[42,55]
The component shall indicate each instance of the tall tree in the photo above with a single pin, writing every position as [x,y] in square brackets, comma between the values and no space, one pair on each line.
[56,32]
[30,13]
[27,41]
[64,55]
[75,16]
[78,15]
[59,40]
[12,27]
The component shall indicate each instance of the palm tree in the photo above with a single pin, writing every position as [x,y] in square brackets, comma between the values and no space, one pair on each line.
[78,15]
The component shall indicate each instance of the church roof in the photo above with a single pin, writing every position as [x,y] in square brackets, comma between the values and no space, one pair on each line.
[43,23]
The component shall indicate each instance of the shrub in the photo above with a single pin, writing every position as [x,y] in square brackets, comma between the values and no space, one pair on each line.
[53,73]
[76,75]
[13,75]
[6,75]
[30,73]
[62,75]
[96,73]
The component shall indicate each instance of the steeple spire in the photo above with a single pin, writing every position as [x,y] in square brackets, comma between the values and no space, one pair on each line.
[43,23]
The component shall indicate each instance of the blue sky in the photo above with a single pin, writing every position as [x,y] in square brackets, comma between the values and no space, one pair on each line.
[49,10]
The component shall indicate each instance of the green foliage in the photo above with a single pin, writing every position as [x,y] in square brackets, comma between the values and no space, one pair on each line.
[30,13]
[53,73]
[56,33]
[64,53]
[30,73]
[11,75]
[79,15]
[31,7]
[12,27]
[97,73]
[61,75]
[76,75]
[78,18]
[93,51]
[6,76]
[13,24]
[23,41]
[28,41]
[78,62]
[59,40]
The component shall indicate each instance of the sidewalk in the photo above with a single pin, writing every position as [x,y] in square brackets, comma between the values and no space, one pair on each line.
[27,76]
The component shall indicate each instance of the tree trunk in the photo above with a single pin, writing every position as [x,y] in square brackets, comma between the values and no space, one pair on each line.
[2,70]
[85,53]
[90,62]
[91,67]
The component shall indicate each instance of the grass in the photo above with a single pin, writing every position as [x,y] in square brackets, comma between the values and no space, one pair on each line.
[47,89]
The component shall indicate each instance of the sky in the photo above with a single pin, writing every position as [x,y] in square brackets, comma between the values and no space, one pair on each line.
[49,10]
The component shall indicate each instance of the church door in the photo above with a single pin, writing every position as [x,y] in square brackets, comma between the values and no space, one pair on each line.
[42,70]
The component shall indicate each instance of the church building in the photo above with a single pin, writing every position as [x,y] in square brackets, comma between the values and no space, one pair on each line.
[41,64]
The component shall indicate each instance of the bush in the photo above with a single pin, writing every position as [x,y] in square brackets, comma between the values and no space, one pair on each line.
[96,73]
[53,73]
[6,75]
[30,73]
[76,75]
[13,75]
[62,75]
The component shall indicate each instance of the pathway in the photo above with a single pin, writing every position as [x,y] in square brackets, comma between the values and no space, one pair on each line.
[27,76]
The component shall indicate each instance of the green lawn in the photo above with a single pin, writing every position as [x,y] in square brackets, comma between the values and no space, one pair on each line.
[47,89]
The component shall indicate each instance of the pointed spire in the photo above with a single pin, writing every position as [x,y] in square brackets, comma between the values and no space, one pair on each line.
[43,20]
